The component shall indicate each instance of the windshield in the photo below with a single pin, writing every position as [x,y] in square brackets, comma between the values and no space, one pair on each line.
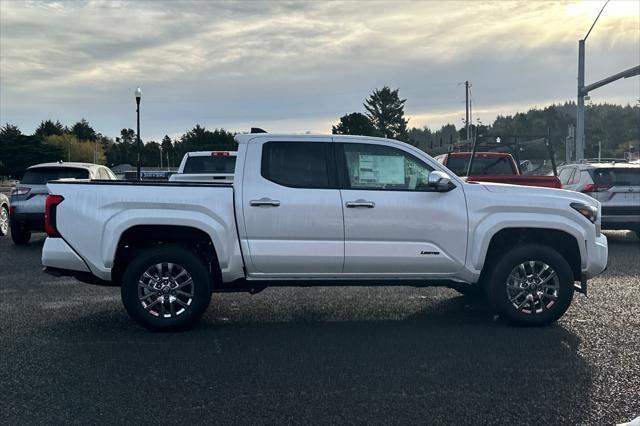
[481,165]
[42,175]
[617,177]
[203,164]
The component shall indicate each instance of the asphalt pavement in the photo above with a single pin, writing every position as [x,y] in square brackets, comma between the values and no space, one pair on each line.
[70,354]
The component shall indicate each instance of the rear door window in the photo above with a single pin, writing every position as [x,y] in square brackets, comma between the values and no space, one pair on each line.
[297,164]
[210,164]
[616,176]
[42,175]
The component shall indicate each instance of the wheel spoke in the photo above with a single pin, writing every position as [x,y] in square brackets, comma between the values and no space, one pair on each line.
[184,284]
[155,302]
[181,303]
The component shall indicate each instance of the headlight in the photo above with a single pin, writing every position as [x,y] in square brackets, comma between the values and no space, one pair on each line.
[586,210]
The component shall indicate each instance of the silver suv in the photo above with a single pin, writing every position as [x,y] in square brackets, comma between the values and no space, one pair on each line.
[615,183]
[28,197]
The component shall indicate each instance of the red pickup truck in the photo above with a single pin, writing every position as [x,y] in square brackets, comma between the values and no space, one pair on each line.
[498,167]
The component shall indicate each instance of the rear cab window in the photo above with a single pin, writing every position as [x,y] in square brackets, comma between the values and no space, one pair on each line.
[201,164]
[490,165]
[42,175]
[611,176]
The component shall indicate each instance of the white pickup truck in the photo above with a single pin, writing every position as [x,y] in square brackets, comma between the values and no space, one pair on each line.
[310,210]
[206,166]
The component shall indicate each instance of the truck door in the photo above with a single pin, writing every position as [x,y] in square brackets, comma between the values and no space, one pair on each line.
[292,208]
[394,224]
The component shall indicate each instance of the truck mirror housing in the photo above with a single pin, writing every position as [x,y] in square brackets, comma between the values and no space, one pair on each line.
[440,181]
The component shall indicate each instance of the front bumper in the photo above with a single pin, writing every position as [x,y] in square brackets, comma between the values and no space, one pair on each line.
[597,257]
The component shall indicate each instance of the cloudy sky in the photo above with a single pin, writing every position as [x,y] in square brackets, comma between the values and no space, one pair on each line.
[299,66]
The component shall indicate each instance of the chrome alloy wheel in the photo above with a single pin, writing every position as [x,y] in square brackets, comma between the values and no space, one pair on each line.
[165,290]
[4,220]
[533,287]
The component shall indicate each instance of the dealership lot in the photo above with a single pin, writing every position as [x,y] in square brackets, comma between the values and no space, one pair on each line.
[70,353]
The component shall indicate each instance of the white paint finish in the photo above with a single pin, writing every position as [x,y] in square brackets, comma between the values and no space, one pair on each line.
[304,234]
[390,237]
[303,238]
[56,253]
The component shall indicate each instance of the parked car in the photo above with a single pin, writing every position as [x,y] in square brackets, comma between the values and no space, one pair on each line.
[497,167]
[206,166]
[309,210]
[614,183]
[4,215]
[28,197]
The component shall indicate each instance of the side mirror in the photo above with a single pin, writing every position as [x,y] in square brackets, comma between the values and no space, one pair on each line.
[440,182]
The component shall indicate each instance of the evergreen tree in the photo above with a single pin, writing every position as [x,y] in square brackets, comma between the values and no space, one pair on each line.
[385,110]
[354,124]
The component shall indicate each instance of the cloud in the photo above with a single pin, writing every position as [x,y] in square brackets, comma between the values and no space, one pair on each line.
[298,65]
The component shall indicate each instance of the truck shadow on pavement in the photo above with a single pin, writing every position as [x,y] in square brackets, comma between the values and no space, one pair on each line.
[446,362]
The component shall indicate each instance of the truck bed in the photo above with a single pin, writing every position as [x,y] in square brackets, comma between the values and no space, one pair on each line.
[526,180]
[94,214]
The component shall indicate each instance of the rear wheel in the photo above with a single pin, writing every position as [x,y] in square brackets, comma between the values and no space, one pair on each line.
[166,288]
[4,220]
[20,235]
[531,285]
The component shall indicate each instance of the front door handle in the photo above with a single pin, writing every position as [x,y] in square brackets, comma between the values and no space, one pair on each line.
[264,202]
[360,203]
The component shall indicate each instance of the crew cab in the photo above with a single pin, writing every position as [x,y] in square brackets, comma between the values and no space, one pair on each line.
[206,166]
[497,167]
[307,210]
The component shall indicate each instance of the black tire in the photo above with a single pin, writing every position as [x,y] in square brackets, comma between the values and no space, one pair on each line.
[546,311]
[151,319]
[20,235]
[4,220]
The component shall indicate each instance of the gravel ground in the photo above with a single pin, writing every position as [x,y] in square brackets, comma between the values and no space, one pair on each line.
[70,354]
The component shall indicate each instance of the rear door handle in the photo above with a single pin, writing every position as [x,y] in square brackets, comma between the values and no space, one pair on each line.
[360,203]
[264,202]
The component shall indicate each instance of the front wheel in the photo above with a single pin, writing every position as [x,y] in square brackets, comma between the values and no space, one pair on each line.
[531,285]
[166,288]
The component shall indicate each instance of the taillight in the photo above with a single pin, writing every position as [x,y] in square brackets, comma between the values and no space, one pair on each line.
[592,187]
[50,205]
[20,190]
[220,154]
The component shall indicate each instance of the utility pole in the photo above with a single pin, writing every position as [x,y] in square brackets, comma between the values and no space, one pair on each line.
[466,104]
[584,90]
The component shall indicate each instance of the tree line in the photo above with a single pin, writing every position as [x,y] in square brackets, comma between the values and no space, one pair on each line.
[615,128]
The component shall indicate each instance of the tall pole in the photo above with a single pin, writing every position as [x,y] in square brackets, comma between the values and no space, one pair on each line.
[466,104]
[138,96]
[580,109]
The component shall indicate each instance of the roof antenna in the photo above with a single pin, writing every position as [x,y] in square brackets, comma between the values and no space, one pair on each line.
[257,130]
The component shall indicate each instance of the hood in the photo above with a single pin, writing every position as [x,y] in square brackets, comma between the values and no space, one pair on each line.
[537,192]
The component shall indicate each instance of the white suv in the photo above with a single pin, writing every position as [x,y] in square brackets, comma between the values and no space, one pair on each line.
[615,183]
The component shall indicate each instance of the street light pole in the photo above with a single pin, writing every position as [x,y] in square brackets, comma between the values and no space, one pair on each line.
[138,93]
[580,111]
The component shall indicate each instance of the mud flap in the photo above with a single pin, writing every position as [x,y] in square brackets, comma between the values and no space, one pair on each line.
[582,287]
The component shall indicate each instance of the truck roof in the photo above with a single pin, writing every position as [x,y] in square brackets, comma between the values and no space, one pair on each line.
[479,154]
[65,164]
[246,138]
